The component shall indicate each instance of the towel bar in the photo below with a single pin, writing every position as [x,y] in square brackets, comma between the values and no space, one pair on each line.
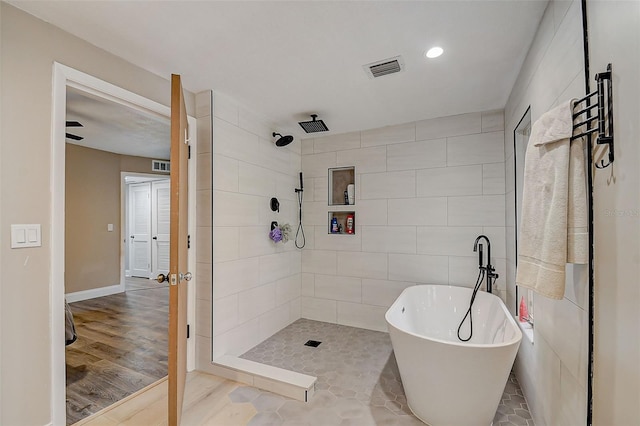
[604,118]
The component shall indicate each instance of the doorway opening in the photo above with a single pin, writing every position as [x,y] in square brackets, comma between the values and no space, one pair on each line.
[68,270]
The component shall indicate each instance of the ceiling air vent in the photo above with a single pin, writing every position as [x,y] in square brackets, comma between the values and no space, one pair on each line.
[384,67]
[160,166]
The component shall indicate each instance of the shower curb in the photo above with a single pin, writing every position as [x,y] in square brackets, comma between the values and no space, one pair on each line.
[283,382]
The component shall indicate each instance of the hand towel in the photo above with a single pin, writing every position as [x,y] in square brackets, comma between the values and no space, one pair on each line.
[553,228]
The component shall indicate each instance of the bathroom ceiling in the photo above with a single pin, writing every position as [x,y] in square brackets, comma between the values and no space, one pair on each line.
[286,60]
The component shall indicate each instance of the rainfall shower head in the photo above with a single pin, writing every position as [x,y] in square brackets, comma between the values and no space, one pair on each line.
[314,125]
[283,140]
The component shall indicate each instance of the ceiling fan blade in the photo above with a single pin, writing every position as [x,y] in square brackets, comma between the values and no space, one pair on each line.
[74,124]
[74,137]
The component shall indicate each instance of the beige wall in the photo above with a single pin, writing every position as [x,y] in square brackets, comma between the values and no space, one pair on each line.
[92,254]
[614,37]
[553,370]
[29,48]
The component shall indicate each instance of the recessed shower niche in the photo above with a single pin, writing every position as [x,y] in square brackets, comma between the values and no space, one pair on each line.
[342,186]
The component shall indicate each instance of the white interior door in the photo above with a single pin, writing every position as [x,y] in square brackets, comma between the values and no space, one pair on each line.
[160,221]
[140,230]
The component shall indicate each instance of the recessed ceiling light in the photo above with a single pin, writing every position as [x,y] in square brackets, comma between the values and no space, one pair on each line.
[434,52]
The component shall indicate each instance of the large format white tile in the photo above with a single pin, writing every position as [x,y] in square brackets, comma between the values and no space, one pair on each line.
[238,340]
[364,265]
[389,135]
[308,284]
[492,121]
[226,243]
[340,242]
[256,301]
[274,267]
[254,241]
[273,321]
[203,325]
[388,185]
[447,240]
[256,180]
[371,212]
[254,123]
[234,142]
[225,108]
[486,210]
[573,402]
[493,178]
[338,288]
[288,289]
[419,268]
[463,271]
[418,211]
[320,190]
[475,149]
[382,292]
[232,209]
[362,316]
[225,314]
[417,155]
[449,181]
[454,125]
[337,142]
[319,261]
[317,165]
[306,146]
[236,276]
[389,239]
[314,213]
[365,160]
[497,236]
[318,309]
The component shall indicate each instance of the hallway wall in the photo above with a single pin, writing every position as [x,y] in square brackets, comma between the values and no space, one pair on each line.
[29,48]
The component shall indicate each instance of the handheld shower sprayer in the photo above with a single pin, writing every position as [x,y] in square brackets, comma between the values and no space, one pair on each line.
[299,192]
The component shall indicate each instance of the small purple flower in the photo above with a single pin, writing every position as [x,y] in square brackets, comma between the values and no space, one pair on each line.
[275,234]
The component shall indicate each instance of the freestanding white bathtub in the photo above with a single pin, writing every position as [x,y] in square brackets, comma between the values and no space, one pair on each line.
[446,381]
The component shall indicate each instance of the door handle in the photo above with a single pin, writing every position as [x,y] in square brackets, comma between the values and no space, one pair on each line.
[132,237]
[162,278]
[186,276]
[155,238]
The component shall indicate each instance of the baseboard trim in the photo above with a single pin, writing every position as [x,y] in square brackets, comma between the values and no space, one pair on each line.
[79,296]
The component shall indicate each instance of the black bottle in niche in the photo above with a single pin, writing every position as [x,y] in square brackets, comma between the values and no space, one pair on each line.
[346,197]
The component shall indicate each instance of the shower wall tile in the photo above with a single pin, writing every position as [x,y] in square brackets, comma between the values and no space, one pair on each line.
[371,212]
[252,242]
[389,135]
[274,267]
[235,276]
[475,149]
[288,289]
[419,268]
[203,318]
[389,239]
[256,301]
[408,178]
[448,181]
[447,240]
[344,242]
[365,160]
[493,178]
[319,309]
[418,211]
[492,121]
[417,155]
[486,210]
[226,173]
[306,146]
[273,321]
[225,312]
[319,261]
[388,185]
[361,264]
[337,142]
[338,288]
[455,125]
[316,165]
[256,180]
[225,109]
[233,209]
[363,316]
[382,292]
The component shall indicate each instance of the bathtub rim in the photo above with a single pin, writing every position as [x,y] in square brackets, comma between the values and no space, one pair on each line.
[516,327]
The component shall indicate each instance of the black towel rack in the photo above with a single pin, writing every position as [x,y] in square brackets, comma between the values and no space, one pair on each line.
[600,124]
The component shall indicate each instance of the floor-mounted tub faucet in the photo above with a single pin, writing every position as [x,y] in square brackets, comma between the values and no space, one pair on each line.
[490,270]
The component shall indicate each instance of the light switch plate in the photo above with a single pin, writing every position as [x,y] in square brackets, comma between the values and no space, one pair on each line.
[109,227]
[25,235]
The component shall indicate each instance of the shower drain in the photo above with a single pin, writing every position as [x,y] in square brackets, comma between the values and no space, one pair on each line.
[313,343]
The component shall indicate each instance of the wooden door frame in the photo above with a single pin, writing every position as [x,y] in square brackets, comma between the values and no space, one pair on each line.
[63,77]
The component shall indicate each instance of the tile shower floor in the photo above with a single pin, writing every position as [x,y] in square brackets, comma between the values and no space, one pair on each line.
[358,380]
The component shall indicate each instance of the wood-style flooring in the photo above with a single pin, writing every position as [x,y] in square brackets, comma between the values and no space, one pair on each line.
[121,348]
[206,402]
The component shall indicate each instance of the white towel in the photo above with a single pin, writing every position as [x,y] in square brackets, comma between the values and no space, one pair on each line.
[553,228]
